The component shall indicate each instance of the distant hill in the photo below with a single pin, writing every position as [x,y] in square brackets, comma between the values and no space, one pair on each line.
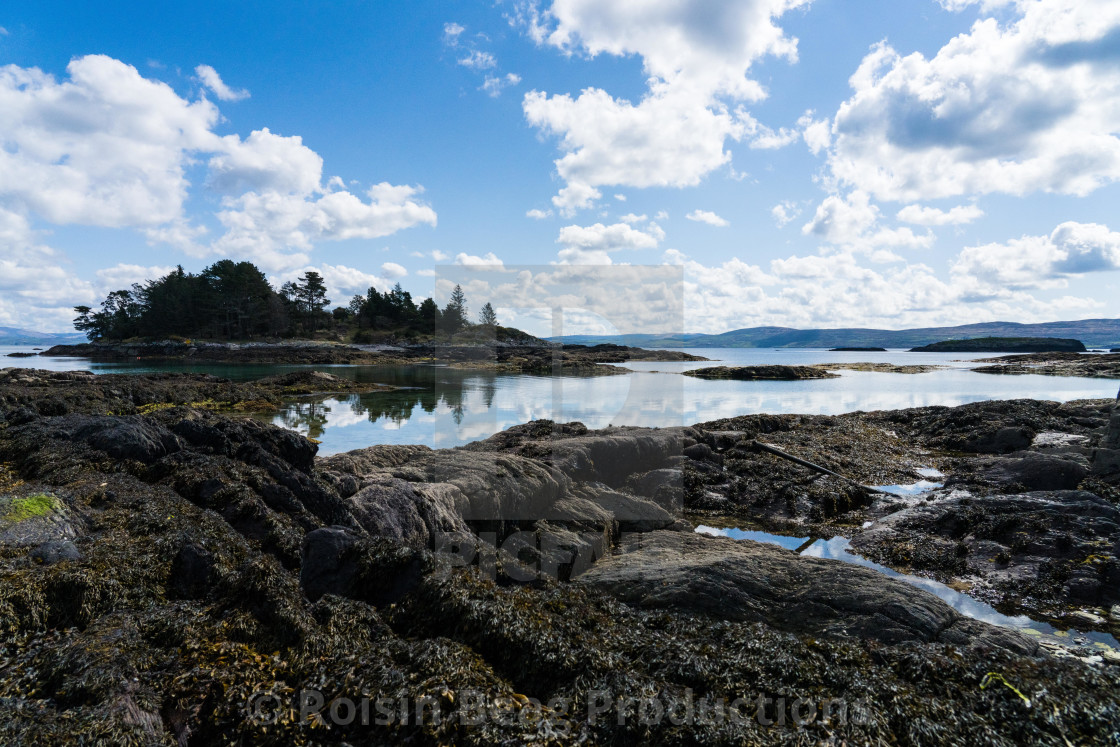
[17,336]
[1003,345]
[1095,333]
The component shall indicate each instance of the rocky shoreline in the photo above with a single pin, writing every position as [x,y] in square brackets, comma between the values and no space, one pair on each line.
[507,357]
[1100,366]
[176,574]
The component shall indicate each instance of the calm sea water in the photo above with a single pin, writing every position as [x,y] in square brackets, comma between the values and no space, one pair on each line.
[442,407]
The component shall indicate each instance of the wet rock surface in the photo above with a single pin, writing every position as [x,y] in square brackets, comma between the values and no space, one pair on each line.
[210,559]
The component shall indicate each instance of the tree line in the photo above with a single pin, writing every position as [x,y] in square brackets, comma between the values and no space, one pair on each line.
[234,301]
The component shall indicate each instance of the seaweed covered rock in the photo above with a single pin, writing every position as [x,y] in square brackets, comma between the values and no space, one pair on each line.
[337,560]
[1047,550]
[755,582]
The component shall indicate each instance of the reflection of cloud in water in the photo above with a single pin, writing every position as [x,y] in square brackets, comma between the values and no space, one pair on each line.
[459,406]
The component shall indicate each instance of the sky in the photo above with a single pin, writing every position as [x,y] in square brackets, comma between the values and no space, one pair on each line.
[804,163]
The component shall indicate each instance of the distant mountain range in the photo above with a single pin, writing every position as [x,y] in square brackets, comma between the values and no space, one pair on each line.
[17,336]
[1095,333]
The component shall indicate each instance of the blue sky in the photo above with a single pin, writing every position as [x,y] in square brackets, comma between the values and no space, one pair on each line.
[807,163]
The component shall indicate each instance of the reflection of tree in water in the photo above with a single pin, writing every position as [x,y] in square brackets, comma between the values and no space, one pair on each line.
[489,387]
[309,416]
[427,389]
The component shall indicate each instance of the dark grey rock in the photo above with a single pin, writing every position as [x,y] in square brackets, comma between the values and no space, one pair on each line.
[749,581]
[53,552]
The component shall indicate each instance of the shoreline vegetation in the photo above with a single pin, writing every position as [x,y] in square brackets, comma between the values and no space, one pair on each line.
[156,552]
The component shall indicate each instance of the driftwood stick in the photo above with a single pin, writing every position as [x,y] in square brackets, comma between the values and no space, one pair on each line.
[815,467]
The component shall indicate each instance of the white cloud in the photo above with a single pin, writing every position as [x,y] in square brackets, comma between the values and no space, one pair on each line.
[1032,262]
[852,222]
[266,162]
[439,256]
[487,259]
[124,275]
[816,133]
[959,5]
[707,216]
[392,271]
[620,197]
[785,212]
[696,58]
[594,244]
[426,273]
[210,78]
[835,290]
[452,32]
[342,282]
[1018,108]
[493,85]
[633,218]
[267,226]
[37,291]
[666,140]
[537,214]
[108,147]
[478,60]
[928,216]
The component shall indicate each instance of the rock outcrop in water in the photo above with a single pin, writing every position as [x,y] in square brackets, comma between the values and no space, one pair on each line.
[175,575]
[1054,364]
[762,373]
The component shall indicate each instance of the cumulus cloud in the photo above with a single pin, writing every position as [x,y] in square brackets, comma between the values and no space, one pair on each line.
[488,259]
[836,290]
[707,216]
[493,85]
[451,33]
[266,162]
[852,222]
[210,78]
[1034,262]
[697,61]
[785,212]
[929,216]
[37,290]
[393,271]
[538,214]
[594,244]
[108,147]
[1013,108]
[125,275]
[268,225]
[478,60]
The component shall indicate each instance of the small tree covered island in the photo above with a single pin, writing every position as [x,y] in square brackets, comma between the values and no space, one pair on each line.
[230,312]
[1004,345]
[234,301]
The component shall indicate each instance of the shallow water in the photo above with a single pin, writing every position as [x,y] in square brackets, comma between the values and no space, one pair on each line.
[448,407]
[837,548]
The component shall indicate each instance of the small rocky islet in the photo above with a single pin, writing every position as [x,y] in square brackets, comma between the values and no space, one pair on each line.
[520,354]
[166,564]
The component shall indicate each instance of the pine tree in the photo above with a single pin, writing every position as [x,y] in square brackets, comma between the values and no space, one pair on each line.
[455,313]
[487,316]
